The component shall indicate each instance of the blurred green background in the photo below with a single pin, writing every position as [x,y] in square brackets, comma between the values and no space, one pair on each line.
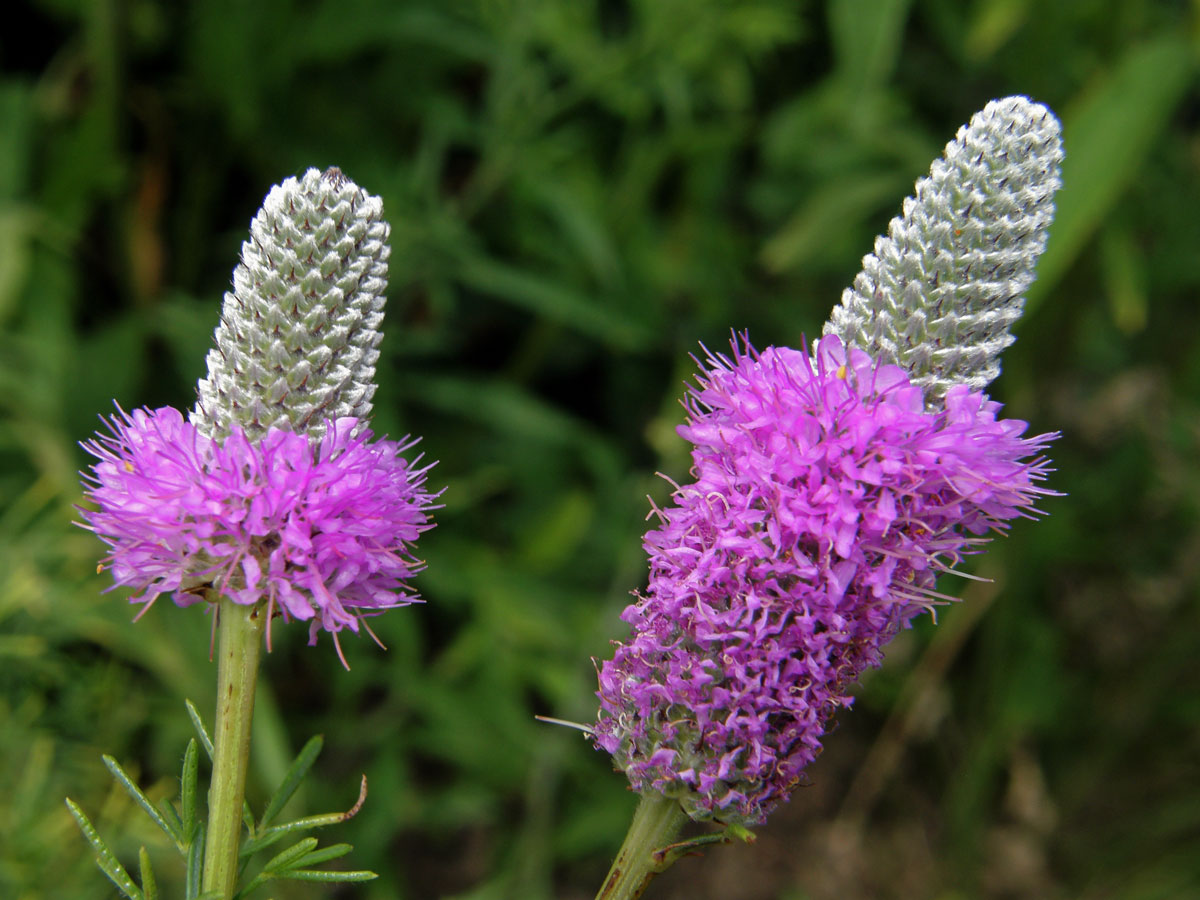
[580,191]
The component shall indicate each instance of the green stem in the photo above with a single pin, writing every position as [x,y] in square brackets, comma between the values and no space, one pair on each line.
[237,671]
[654,826]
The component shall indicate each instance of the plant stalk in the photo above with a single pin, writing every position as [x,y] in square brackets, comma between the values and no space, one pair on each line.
[241,635]
[655,824]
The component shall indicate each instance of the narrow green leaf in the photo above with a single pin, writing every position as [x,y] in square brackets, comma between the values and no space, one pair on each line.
[324,854]
[135,792]
[201,731]
[290,855]
[104,859]
[248,817]
[295,774]
[188,788]
[310,875]
[1107,137]
[273,833]
[172,817]
[195,865]
[149,883]
[121,879]
[263,840]
[286,865]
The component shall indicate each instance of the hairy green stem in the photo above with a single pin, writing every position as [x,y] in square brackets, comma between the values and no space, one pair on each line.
[654,826]
[241,633]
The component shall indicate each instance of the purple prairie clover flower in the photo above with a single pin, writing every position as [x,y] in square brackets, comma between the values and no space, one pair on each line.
[270,498]
[271,491]
[825,501]
[323,535]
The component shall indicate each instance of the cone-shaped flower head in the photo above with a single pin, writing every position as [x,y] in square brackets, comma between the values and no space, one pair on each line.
[297,343]
[826,500]
[831,489]
[274,492]
[943,287]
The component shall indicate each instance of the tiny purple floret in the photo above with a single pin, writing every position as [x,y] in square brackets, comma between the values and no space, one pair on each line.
[826,500]
[324,534]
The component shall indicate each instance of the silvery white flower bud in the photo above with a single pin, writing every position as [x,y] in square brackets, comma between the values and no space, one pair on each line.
[943,287]
[299,332]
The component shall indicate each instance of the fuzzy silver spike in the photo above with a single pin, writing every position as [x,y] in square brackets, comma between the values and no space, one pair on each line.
[944,286]
[299,333]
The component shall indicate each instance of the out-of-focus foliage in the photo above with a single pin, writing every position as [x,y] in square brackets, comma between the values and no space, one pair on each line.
[580,191]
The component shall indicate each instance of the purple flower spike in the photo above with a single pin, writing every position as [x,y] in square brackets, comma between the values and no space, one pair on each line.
[826,500]
[272,492]
[322,533]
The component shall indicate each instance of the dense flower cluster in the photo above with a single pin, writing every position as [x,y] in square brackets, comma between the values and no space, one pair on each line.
[323,532]
[826,501]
